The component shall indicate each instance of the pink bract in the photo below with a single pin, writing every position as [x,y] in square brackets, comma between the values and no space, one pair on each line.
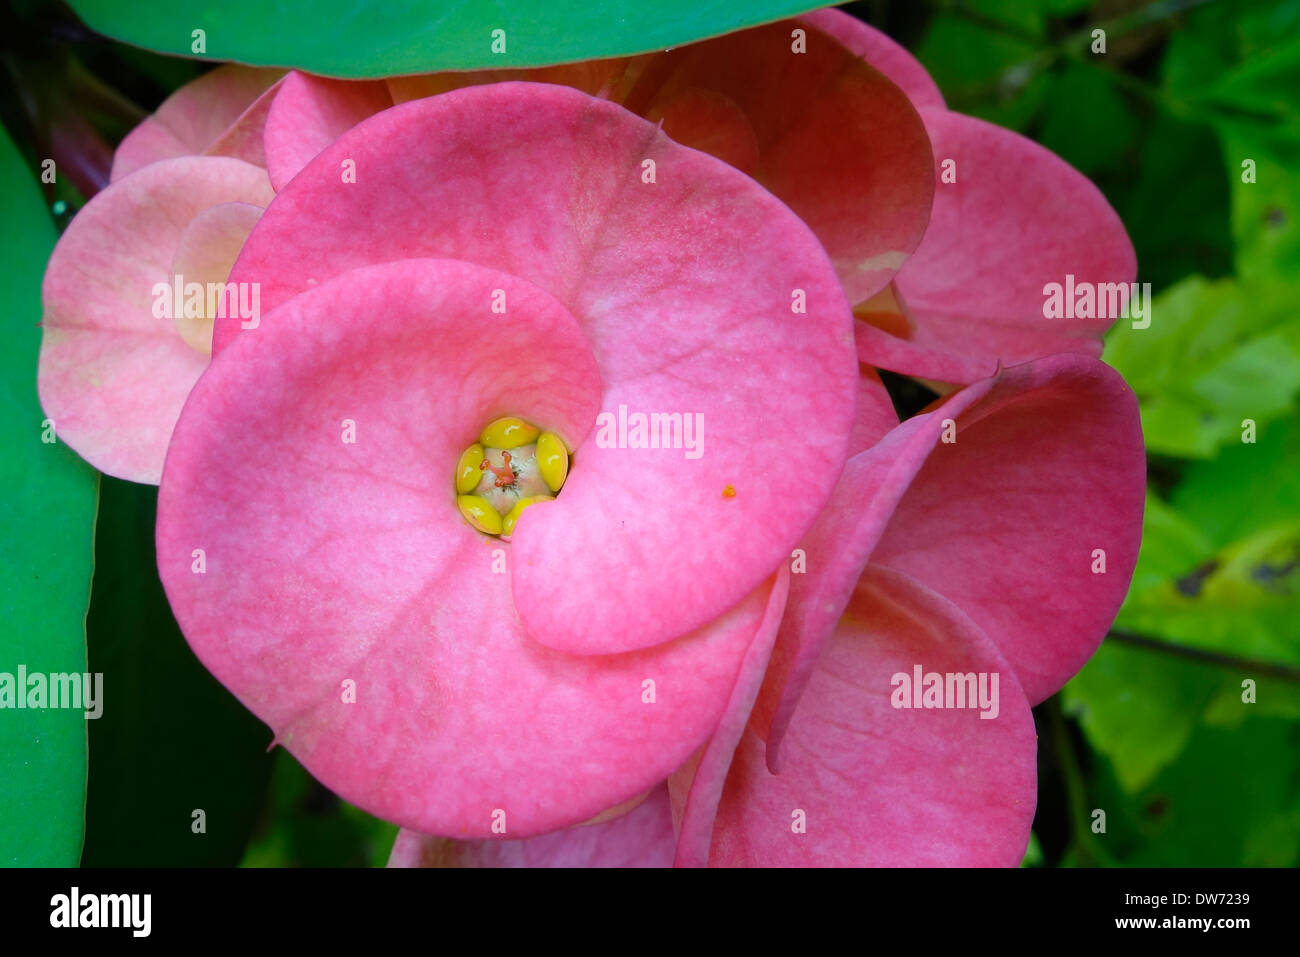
[521,688]
[221,113]
[113,376]
[876,785]
[650,271]
[1010,539]
[186,184]
[643,837]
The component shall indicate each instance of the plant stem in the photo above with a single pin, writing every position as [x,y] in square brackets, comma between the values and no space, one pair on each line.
[1273,669]
[1088,849]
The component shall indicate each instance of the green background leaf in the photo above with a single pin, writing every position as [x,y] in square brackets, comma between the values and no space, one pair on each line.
[47,527]
[419,36]
[1216,353]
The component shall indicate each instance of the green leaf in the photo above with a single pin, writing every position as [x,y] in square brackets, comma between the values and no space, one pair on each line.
[1237,67]
[1215,354]
[1019,17]
[1264,83]
[47,526]
[172,740]
[1216,37]
[1140,707]
[1176,208]
[1244,601]
[353,40]
[983,70]
[1033,852]
[1171,544]
[1087,122]
[1265,213]
[1248,488]
[1231,799]
[1236,589]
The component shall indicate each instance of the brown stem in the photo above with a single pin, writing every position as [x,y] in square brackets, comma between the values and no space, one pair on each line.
[1285,672]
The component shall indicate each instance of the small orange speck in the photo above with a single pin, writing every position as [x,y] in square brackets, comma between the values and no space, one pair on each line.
[729,492]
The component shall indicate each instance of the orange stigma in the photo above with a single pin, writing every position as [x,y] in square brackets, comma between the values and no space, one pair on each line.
[505,474]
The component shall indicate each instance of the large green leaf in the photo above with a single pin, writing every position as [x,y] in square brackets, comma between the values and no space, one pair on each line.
[1220,576]
[47,527]
[347,39]
[172,740]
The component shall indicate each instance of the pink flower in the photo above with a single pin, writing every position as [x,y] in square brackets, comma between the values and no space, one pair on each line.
[578,665]
[187,186]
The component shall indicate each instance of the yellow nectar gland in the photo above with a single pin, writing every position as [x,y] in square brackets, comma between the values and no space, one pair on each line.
[512,466]
[508,433]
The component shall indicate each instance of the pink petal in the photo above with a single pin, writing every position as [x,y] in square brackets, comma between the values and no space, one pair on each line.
[244,139]
[696,788]
[882,52]
[865,186]
[204,254]
[1005,521]
[194,117]
[685,288]
[310,113]
[112,376]
[1017,218]
[641,838]
[327,561]
[876,416]
[835,551]
[837,548]
[1047,466]
[885,786]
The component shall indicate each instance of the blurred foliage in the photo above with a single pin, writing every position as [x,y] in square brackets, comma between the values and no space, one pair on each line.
[305,825]
[1183,729]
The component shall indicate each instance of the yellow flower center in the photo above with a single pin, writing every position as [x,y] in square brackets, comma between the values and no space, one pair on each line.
[513,465]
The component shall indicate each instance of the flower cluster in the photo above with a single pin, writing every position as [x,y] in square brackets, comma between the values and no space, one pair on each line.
[749,617]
